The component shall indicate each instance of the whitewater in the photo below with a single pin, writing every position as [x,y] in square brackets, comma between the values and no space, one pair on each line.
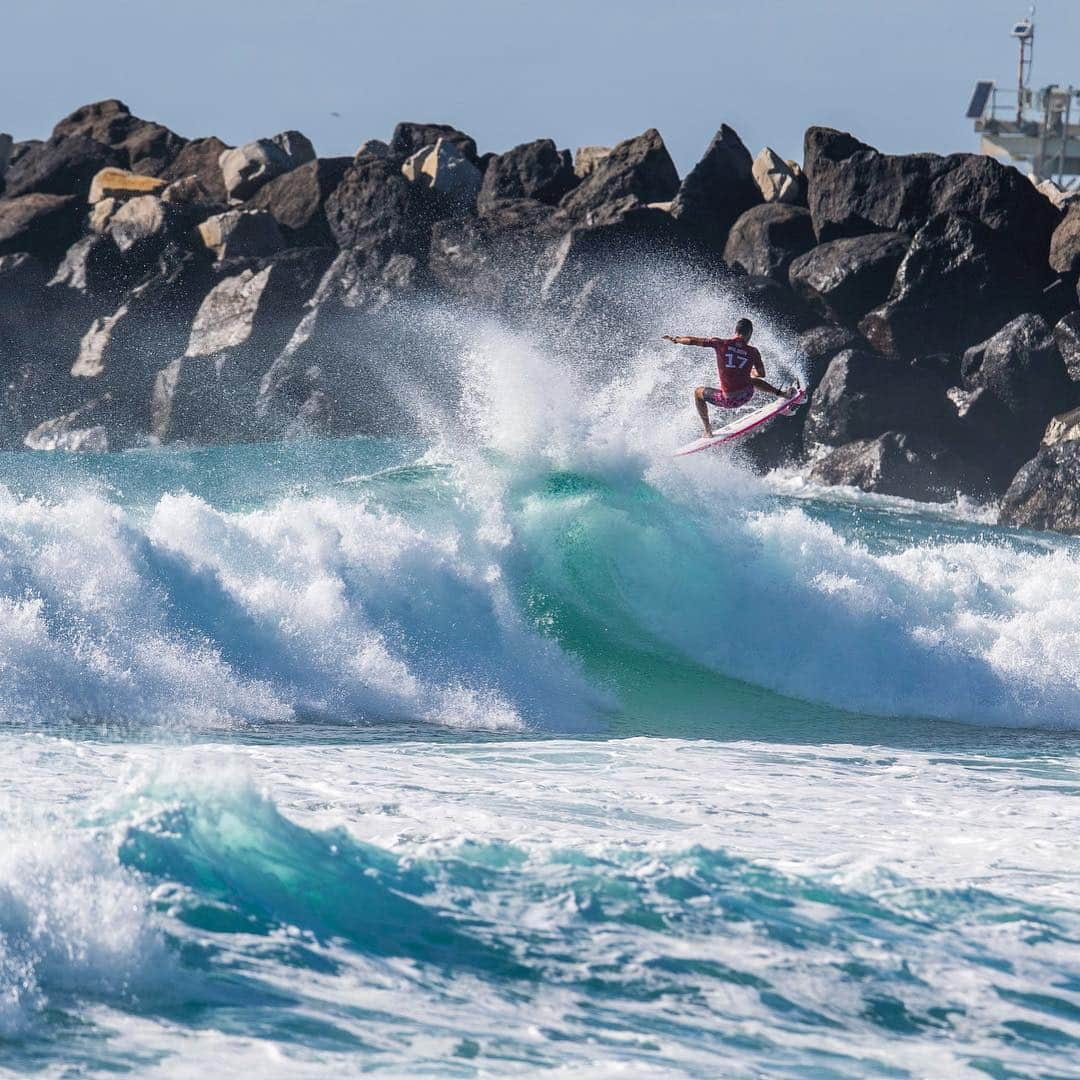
[516,746]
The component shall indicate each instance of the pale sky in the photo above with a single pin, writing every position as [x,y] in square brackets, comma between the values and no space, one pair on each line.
[897,74]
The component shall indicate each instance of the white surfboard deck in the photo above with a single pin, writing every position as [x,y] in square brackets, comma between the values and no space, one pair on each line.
[743,425]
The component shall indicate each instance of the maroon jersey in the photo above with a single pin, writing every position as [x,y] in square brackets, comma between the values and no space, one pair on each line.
[735,361]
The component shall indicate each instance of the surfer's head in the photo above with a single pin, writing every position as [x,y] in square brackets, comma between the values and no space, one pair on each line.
[744,328]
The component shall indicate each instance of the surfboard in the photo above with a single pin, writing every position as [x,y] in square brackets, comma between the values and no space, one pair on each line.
[743,425]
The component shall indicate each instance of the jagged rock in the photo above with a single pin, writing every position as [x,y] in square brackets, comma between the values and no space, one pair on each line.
[1022,368]
[1046,492]
[495,259]
[911,467]
[1067,336]
[74,431]
[114,183]
[372,148]
[847,278]
[409,137]
[717,191]
[586,158]
[376,209]
[140,145]
[854,189]
[1065,243]
[246,168]
[862,395]
[200,158]
[536,170]
[141,225]
[297,201]
[777,179]
[208,394]
[1062,428]
[639,170]
[41,225]
[241,234]
[61,166]
[356,361]
[958,282]
[768,238]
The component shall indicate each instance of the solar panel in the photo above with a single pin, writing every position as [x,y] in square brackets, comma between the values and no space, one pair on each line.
[979,100]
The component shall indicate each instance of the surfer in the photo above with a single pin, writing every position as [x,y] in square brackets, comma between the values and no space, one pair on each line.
[740,368]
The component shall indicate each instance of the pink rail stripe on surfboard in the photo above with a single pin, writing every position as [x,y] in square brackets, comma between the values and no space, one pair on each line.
[743,425]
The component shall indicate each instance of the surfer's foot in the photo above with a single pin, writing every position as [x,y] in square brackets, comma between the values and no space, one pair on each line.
[708,434]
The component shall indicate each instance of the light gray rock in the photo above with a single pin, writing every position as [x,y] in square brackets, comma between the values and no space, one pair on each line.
[140,222]
[251,233]
[776,179]
[587,158]
[226,318]
[246,168]
[1063,428]
[101,214]
[413,166]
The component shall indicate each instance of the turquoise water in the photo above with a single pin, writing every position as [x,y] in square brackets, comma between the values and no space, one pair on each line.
[517,748]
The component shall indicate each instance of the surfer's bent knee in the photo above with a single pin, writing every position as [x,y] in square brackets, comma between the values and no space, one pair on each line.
[699,393]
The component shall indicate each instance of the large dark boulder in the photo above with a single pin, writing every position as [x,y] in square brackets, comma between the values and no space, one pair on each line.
[1021,367]
[1046,492]
[199,158]
[297,201]
[495,259]
[910,466]
[718,190]
[958,282]
[766,240]
[61,166]
[637,171]
[863,395]
[847,278]
[141,145]
[42,225]
[854,189]
[376,209]
[409,137]
[536,170]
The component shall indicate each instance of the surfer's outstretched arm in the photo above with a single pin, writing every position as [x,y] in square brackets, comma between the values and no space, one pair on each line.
[687,340]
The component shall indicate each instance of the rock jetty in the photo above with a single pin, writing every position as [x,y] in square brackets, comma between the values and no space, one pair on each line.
[159,288]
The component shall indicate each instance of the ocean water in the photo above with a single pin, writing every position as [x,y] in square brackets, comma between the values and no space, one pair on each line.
[517,747]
